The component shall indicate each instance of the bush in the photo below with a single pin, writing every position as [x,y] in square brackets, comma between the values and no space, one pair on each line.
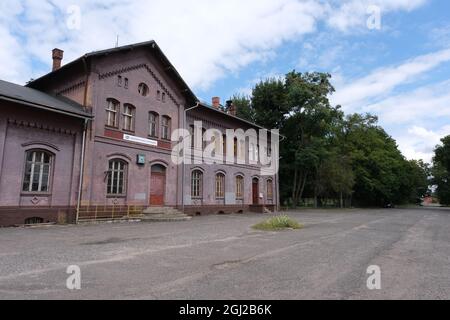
[278,223]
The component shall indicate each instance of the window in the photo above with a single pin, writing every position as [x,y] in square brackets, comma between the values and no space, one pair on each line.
[163,98]
[197,184]
[270,189]
[158,95]
[119,81]
[239,187]
[165,125]
[143,89]
[220,186]
[116,177]
[37,171]
[128,117]
[153,124]
[126,83]
[111,113]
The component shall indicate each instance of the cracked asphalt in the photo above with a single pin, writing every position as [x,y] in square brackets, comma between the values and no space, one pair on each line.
[221,257]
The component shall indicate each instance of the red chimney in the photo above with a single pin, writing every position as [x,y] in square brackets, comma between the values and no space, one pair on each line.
[216,102]
[57,55]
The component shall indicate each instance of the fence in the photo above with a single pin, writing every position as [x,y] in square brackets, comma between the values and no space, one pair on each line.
[109,212]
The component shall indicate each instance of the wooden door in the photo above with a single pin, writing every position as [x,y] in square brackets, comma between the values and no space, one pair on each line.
[157,187]
[255,191]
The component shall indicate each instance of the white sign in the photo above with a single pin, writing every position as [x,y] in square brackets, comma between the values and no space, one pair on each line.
[149,142]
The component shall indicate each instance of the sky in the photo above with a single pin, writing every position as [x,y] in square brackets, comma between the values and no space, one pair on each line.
[387,57]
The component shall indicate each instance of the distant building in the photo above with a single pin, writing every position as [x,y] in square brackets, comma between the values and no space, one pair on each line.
[101,125]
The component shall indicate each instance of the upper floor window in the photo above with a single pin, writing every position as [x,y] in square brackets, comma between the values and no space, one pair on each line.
[125,85]
[239,187]
[37,171]
[158,95]
[128,117]
[163,97]
[143,89]
[220,186]
[165,125]
[119,81]
[153,124]
[270,189]
[117,177]
[112,111]
[197,184]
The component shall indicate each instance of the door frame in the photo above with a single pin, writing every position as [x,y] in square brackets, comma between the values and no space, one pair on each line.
[255,182]
[164,175]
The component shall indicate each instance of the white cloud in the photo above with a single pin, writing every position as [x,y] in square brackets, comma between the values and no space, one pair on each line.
[206,40]
[358,93]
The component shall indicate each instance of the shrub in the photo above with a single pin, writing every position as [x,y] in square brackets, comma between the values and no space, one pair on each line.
[278,223]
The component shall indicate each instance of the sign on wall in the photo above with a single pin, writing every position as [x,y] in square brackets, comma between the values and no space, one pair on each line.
[148,142]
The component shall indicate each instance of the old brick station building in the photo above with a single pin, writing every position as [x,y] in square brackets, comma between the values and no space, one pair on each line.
[97,132]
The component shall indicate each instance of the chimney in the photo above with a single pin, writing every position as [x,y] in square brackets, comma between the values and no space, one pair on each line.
[231,108]
[216,102]
[57,55]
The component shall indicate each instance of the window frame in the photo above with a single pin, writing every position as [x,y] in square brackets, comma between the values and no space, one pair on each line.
[197,184]
[111,175]
[240,185]
[269,183]
[42,165]
[165,135]
[130,116]
[156,124]
[219,183]
[143,89]
[115,112]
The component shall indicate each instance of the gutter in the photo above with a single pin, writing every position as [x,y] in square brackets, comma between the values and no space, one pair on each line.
[47,108]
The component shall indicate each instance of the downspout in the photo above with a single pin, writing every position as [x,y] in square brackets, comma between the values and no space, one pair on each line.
[183,170]
[83,144]
[80,185]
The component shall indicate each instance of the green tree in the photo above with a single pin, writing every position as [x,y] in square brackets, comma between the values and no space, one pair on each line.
[441,171]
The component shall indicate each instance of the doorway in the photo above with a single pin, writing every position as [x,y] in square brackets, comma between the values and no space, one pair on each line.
[158,185]
[255,191]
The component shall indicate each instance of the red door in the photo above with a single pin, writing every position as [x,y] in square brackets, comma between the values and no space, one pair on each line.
[157,187]
[255,190]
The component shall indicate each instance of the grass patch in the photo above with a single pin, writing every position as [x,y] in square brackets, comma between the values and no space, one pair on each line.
[278,223]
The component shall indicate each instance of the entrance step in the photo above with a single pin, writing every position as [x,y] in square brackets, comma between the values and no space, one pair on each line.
[155,214]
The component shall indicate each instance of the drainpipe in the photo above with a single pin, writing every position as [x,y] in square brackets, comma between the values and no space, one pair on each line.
[80,185]
[183,170]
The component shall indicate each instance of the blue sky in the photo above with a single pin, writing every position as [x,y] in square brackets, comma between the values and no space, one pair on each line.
[400,72]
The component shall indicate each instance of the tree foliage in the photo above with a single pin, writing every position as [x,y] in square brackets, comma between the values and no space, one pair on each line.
[325,154]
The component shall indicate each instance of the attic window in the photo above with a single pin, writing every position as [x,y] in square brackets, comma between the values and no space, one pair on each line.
[143,89]
[158,95]
[126,83]
[119,81]
[163,97]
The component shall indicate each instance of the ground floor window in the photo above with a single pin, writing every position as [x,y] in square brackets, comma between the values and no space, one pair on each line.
[37,171]
[197,184]
[239,187]
[220,186]
[270,189]
[117,177]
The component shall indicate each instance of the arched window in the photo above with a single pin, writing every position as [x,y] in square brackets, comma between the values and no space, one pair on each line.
[220,186]
[153,124]
[197,184]
[117,176]
[128,117]
[239,187]
[37,171]
[112,111]
[165,128]
[143,89]
[270,189]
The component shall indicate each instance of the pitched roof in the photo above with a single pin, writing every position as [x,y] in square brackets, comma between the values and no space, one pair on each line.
[31,97]
[151,44]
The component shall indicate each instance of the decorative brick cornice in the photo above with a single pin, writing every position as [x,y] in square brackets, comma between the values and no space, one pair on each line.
[40,126]
[137,67]
[71,88]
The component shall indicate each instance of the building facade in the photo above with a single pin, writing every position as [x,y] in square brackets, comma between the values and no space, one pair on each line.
[118,151]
